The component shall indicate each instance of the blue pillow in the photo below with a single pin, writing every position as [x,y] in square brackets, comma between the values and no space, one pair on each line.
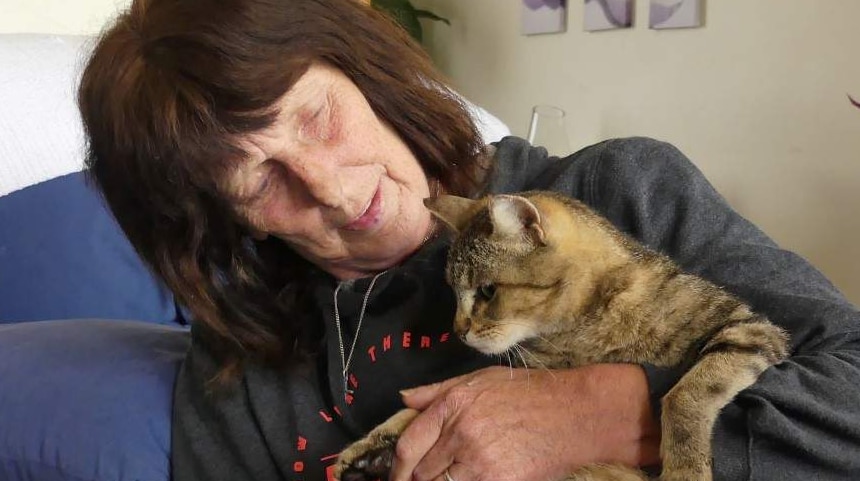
[63,256]
[87,399]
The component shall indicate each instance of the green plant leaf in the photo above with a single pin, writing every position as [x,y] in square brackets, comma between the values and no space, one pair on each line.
[431,16]
[404,13]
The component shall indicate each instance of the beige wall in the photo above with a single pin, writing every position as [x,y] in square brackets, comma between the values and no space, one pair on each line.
[57,16]
[757,98]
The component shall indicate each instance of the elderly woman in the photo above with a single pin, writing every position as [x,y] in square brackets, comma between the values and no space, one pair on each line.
[268,159]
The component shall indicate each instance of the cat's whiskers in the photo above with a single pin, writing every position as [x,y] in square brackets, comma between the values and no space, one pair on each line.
[517,349]
[536,359]
[538,336]
[510,363]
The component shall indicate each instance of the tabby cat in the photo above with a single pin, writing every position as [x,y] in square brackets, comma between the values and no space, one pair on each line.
[541,274]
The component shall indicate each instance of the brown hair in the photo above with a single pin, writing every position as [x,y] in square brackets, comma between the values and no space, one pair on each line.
[171,85]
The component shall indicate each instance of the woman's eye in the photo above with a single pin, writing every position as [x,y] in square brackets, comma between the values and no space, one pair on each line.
[316,117]
[317,126]
[487,292]
[260,184]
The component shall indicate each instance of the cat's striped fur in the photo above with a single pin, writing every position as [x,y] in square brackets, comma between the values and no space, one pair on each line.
[544,274]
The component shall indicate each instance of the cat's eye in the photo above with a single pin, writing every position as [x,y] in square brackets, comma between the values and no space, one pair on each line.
[487,292]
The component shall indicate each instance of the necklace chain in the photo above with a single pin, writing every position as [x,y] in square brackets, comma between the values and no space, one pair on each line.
[345,360]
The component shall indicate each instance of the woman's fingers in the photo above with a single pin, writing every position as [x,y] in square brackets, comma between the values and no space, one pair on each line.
[455,472]
[438,459]
[415,441]
[421,397]
[445,429]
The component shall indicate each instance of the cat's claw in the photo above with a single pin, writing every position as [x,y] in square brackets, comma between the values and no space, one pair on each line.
[370,458]
[370,466]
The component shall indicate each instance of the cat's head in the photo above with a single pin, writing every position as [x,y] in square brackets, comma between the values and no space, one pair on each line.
[502,266]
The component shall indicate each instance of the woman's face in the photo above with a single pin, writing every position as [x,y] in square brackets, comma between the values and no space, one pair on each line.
[333,180]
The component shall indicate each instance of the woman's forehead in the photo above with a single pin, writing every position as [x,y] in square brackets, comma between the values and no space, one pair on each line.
[312,87]
[317,79]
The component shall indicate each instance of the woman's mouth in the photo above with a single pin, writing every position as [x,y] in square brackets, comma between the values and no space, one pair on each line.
[371,216]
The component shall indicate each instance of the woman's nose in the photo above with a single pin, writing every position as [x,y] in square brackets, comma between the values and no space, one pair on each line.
[319,177]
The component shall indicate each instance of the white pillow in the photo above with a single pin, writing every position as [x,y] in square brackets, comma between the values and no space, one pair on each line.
[40,128]
[491,128]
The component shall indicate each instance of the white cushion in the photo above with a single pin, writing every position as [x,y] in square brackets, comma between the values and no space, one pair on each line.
[40,128]
[491,128]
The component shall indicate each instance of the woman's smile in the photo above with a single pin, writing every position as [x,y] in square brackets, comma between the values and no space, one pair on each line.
[371,216]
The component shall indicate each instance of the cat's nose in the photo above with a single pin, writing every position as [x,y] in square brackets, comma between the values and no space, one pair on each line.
[461,327]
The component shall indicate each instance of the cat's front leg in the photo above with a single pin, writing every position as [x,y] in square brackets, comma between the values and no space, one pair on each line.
[370,457]
[607,472]
[692,406]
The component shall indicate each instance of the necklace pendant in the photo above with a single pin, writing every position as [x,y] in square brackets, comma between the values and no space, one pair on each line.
[345,359]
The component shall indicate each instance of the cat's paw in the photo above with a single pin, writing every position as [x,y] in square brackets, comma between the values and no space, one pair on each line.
[367,461]
[370,458]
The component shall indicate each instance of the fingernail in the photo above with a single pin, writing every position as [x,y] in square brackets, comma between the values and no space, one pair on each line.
[407,392]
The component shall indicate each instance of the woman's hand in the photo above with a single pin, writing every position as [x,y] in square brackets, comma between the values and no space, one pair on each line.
[528,425]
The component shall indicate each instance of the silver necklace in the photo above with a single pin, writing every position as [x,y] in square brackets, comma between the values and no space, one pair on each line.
[344,359]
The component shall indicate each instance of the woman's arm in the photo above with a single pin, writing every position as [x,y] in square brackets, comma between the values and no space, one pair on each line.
[800,419]
[215,433]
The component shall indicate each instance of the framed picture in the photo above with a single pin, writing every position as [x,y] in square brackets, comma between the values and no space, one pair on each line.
[607,14]
[675,14]
[543,16]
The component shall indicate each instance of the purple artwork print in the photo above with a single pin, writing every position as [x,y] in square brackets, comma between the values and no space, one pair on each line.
[675,14]
[607,14]
[536,4]
[543,16]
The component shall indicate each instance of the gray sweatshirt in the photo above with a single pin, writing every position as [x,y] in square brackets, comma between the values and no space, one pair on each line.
[801,420]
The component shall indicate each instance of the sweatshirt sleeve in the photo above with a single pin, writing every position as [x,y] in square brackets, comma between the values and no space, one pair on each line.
[215,434]
[801,419]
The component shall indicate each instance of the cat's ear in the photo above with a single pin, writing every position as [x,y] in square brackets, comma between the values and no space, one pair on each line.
[516,216]
[452,210]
